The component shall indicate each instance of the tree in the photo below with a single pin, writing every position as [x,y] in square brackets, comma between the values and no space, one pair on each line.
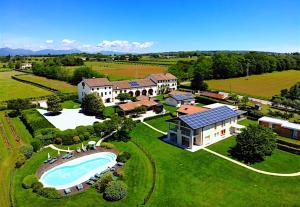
[245,100]
[92,105]
[115,190]
[140,110]
[84,72]
[54,105]
[103,181]
[235,98]
[197,82]
[254,143]
[124,96]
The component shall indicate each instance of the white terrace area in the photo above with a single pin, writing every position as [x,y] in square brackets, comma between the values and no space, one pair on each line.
[69,119]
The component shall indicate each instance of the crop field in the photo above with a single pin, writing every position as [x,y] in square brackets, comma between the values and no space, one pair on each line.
[123,71]
[264,85]
[12,89]
[163,61]
[55,84]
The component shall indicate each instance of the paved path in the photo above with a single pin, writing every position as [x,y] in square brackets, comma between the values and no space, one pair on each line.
[104,138]
[251,168]
[165,133]
[55,148]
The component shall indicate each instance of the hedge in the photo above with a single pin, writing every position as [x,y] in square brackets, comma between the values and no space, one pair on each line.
[34,121]
[288,149]
[28,181]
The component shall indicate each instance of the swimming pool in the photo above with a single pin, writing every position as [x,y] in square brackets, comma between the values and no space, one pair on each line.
[78,170]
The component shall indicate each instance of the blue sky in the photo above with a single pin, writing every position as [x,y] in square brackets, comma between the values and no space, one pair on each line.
[151,26]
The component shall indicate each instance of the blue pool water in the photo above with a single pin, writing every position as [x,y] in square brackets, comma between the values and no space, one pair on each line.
[66,174]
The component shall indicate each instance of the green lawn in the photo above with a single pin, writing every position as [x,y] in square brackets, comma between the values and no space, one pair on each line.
[264,85]
[12,89]
[202,179]
[55,84]
[247,122]
[71,104]
[138,176]
[160,123]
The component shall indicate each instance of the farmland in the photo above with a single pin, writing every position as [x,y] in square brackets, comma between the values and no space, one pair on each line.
[264,85]
[12,89]
[163,61]
[123,71]
[55,84]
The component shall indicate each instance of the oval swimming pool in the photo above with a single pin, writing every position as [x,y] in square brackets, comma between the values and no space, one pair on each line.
[78,170]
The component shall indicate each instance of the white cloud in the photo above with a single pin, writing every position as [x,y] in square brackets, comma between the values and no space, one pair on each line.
[123,45]
[68,41]
[49,41]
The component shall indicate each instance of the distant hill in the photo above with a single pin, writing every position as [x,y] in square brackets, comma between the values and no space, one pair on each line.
[20,51]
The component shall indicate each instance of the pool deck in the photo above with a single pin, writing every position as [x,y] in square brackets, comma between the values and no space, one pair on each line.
[47,166]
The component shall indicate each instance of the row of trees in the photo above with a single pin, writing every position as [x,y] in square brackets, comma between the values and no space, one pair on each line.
[64,74]
[228,65]
[68,60]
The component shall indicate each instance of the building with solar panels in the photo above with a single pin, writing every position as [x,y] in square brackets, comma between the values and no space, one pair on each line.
[178,98]
[197,130]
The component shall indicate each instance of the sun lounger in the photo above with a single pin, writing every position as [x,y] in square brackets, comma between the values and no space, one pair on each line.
[120,163]
[48,160]
[79,187]
[105,171]
[97,175]
[90,182]
[78,150]
[53,160]
[67,191]
[65,156]
[93,178]
[112,169]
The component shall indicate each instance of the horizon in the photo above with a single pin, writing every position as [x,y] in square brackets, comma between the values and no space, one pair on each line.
[227,25]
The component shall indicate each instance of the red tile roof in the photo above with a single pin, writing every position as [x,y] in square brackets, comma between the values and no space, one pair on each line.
[126,85]
[190,109]
[133,105]
[94,82]
[163,76]
[213,95]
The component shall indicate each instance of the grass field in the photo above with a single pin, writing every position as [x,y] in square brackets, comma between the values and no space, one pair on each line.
[264,85]
[122,71]
[163,61]
[55,84]
[8,151]
[12,89]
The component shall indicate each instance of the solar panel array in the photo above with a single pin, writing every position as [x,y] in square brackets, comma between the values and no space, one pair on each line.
[133,84]
[202,119]
[181,97]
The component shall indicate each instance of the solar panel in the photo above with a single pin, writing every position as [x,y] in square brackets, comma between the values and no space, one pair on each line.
[133,83]
[208,117]
[181,97]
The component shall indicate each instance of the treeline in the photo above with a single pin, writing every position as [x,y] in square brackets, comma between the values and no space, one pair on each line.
[68,60]
[64,74]
[228,65]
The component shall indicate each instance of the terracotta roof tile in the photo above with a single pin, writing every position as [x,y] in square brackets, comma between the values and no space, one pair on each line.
[133,105]
[213,95]
[132,84]
[93,82]
[190,109]
[163,76]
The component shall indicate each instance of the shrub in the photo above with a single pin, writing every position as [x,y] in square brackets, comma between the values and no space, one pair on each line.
[58,140]
[34,120]
[76,139]
[36,186]
[27,150]
[115,190]
[123,156]
[103,181]
[36,144]
[107,145]
[28,181]
[54,105]
[20,160]
[49,193]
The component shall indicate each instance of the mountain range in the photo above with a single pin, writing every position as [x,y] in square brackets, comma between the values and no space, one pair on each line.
[20,51]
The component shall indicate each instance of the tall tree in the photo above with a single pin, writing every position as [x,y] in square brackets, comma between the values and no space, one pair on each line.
[92,105]
[54,105]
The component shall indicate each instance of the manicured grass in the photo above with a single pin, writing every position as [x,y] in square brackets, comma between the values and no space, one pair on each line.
[264,85]
[12,89]
[166,107]
[138,177]
[247,122]
[160,123]
[61,86]
[123,71]
[71,104]
[279,162]
[202,179]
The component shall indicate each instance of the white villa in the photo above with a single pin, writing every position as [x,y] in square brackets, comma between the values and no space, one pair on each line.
[197,130]
[26,66]
[109,90]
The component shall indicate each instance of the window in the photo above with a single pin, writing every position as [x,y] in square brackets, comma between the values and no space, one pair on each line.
[105,88]
[105,93]
[92,89]
[97,88]
[116,92]
[124,91]
[101,94]
[223,131]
